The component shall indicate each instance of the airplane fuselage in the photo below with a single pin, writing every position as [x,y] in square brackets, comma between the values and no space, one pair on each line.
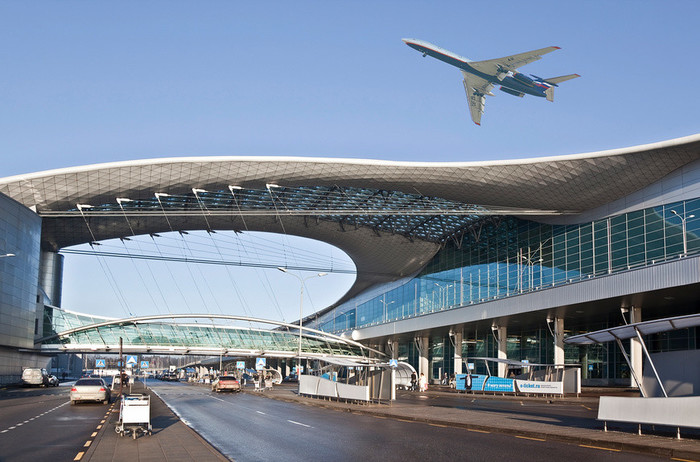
[516,82]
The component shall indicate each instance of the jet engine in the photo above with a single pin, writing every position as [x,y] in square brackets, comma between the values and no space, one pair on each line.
[512,92]
[525,80]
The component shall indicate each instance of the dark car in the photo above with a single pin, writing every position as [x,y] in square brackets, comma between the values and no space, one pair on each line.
[291,378]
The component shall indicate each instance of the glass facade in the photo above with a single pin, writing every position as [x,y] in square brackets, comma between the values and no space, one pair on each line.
[506,256]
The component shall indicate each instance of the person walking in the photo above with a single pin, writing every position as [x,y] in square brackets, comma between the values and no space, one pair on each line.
[422,383]
[413,381]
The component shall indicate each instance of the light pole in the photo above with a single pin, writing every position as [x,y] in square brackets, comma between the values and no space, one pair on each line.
[301,305]
[8,255]
[386,311]
[685,239]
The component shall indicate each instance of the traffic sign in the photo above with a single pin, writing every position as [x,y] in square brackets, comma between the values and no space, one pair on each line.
[144,364]
[260,363]
[240,365]
[100,363]
[393,363]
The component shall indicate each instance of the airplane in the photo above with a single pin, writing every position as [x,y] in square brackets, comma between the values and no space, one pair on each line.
[481,76]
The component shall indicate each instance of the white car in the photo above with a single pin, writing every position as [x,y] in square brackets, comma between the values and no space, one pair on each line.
[89,389]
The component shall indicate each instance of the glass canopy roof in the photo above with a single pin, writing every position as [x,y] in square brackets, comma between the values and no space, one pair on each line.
[412,215]
[69,331]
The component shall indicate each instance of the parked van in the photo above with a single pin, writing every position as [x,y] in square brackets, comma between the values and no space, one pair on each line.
[35,377]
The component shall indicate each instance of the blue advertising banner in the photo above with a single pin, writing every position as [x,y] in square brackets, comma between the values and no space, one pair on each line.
[480,382]
[500,384]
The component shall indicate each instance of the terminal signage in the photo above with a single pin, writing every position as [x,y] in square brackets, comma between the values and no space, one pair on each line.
[260,363]
[131,361]
[100,363]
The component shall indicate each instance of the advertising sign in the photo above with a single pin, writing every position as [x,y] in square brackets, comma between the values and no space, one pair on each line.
[500,384]
[240,365]
[544,388]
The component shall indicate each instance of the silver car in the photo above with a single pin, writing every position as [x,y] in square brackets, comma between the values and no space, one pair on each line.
[90,389]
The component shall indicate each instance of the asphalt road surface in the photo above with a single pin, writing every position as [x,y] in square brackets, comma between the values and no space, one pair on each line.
[39,424]
[247,427]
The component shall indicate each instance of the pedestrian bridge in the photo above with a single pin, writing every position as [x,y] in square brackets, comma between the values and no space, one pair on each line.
[193,334]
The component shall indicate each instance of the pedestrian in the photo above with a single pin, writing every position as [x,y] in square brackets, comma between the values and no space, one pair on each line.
[413,381]
[422,383]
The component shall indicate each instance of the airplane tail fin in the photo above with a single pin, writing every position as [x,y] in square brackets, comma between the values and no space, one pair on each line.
[549,93]
[554,81]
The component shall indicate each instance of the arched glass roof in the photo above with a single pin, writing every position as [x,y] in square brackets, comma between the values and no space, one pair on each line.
[188,334]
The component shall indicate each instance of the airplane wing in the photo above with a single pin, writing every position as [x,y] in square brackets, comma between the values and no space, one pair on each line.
[509,63]
[477,89]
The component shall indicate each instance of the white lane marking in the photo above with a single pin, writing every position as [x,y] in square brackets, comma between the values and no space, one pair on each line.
[27,421]
[299,423]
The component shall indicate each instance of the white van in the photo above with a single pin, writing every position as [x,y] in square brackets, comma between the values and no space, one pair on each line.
[35,377]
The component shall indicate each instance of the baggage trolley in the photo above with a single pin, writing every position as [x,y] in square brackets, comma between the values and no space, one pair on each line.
[134,415]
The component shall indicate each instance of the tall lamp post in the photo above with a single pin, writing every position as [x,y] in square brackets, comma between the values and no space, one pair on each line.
[685,239]
[301,305]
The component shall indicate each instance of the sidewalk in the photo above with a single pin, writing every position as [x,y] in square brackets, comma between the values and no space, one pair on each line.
[444,407]
[171,441]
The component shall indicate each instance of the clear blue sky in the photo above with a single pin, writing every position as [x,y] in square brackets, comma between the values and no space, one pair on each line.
[88,82]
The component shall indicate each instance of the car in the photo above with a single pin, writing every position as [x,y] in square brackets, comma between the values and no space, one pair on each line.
[35,377]
[53,381]
[89,389]
[226,383]
[291,378]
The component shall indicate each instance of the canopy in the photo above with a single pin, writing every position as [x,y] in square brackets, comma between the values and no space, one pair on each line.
[628,331]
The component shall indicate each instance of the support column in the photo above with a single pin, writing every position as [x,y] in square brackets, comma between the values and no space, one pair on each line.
[424,345]
[636,355]
[394,349]
[502,337]
[458,337]
[558,340]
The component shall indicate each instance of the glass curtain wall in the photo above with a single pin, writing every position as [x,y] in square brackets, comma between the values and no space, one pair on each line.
[506,256]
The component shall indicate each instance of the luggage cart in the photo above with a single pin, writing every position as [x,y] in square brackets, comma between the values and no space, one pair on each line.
[134,415]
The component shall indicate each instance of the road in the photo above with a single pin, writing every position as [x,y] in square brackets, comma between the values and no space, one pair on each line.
[247,427]
[40,424]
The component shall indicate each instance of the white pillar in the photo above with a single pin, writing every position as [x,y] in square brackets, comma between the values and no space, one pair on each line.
[423,343]
[636,356]
[558,340]
[502,336]
[458,337]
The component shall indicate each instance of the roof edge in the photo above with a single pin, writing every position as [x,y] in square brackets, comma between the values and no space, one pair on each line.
[332,160]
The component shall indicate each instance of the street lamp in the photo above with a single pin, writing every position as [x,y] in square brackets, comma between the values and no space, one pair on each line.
[8,255]
[301,304]
[685,239]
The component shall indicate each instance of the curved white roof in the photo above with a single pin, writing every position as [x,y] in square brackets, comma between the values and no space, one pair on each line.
[569,184]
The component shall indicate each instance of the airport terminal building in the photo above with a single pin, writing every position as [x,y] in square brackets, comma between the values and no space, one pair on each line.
[454,260]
